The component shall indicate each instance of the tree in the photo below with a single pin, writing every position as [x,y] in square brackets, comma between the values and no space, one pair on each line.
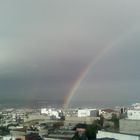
[1,117]
[91,131]
[77,137]
[4,130]
[115,120]
[101,122]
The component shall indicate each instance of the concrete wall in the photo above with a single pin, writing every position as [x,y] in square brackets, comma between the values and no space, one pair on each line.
[36,117]
[130,126]
[117,136]
[75,120]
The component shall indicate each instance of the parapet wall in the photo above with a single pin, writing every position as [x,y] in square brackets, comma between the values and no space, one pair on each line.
[130,126]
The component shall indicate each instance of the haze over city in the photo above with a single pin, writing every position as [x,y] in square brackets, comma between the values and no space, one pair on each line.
[45,46]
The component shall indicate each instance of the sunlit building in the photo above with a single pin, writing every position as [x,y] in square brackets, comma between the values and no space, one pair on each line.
[87,113]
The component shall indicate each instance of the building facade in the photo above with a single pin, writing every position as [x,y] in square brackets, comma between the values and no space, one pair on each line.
[133,114]
[87,113]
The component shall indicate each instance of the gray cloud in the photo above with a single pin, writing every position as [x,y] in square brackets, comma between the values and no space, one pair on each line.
[44,45]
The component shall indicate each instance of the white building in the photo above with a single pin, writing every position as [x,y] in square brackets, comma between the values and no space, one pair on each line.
[136,106]
[55,114]
[133,114]
[8,138]
[117,136]
[107,113]
[44,111]
[51,112]
[13,138]
[87,113]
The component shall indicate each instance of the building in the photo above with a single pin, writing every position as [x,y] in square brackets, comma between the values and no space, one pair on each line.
[133,114]
[52,113]
[117,136]
[131,124]
[87,113]
[135,106]
[13,138]
[30,136]
[44,111]
[107,113]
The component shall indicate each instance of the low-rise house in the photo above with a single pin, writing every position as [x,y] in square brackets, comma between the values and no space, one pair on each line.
[107,113]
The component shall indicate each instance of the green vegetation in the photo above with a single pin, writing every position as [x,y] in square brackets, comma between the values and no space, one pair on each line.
[4,130]
[115,120]
[90,131]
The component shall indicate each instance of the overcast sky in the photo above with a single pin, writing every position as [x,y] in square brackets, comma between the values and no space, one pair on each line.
[45,44]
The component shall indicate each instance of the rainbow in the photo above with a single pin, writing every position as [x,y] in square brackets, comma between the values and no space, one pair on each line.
[92,64]
[82,76]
